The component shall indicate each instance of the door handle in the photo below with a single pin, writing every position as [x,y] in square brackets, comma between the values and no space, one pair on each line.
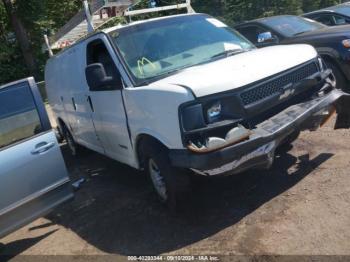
[42,148]
[90,103]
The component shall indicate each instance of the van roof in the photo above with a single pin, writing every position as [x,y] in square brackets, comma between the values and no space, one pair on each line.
[111,29]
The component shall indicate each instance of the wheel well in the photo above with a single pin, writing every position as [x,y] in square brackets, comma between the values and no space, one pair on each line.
[143,144]
[330,59]
[61,125]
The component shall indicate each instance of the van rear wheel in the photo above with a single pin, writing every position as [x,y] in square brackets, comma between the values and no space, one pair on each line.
[172,185]
[73,147]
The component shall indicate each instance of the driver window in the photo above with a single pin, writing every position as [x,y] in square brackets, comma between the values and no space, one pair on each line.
[325,19]
[97,52]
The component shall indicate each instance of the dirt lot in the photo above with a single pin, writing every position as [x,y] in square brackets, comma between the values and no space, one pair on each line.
[301,206]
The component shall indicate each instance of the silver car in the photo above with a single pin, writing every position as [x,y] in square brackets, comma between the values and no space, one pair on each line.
[33,175]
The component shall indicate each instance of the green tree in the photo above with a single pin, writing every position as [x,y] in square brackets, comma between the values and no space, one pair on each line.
[212,7]
[310,5]
[12,65]
[23,23]
[327,3]
[12,9]
[238,10]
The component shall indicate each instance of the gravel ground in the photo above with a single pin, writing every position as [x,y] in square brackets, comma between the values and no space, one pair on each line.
[299,207]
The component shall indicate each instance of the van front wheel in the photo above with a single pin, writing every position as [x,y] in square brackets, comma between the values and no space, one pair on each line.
[172,185]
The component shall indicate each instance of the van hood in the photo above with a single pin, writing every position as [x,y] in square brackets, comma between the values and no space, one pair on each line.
[239,70]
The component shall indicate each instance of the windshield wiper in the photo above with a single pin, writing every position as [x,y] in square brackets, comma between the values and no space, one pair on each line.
[228,53]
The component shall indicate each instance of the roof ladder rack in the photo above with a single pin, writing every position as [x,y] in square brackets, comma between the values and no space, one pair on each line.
[186,5]
[98,12]
[94,14]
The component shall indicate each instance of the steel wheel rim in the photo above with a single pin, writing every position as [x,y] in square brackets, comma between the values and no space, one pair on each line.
[157,180]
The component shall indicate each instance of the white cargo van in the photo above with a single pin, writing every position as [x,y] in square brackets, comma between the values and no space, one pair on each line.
[187,92]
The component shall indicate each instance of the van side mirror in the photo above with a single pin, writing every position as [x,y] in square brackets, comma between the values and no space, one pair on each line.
[98,80]
[267,37]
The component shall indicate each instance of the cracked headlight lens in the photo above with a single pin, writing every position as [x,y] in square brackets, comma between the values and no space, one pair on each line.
[214,112]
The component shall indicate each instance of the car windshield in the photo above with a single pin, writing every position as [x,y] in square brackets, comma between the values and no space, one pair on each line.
[157,48]
[343,10]
[292,25]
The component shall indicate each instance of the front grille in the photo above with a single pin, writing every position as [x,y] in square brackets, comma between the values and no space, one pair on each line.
[276,86]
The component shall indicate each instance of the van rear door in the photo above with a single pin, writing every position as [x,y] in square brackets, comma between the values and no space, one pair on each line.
[33,175]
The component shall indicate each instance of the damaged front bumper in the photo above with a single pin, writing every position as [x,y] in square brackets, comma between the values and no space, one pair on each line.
[259,150]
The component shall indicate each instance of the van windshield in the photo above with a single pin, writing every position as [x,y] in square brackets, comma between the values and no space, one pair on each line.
[155,49]
[292,25]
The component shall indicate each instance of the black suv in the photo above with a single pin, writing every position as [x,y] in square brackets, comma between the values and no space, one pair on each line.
[332,43]
[331,16]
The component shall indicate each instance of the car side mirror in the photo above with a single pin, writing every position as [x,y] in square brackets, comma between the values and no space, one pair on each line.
[98,80]
[267,37]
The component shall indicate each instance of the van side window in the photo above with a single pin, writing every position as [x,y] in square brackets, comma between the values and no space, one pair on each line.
[97,52]
[19,118]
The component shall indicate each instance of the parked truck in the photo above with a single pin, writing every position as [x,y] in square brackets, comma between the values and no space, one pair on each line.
[187,93]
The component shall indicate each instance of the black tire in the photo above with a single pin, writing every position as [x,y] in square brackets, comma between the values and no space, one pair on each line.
[176,181]
[72,145]
[59,135]
[342,82]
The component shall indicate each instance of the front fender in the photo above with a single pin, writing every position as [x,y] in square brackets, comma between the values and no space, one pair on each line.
[153,111]
[148,132]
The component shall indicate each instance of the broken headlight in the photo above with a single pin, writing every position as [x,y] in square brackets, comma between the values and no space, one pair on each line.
[192,117]
[214,112]
[196,116]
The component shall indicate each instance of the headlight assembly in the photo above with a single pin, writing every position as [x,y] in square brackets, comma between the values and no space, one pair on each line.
[192,117]
[214,112]
[196,116]
[346,43]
